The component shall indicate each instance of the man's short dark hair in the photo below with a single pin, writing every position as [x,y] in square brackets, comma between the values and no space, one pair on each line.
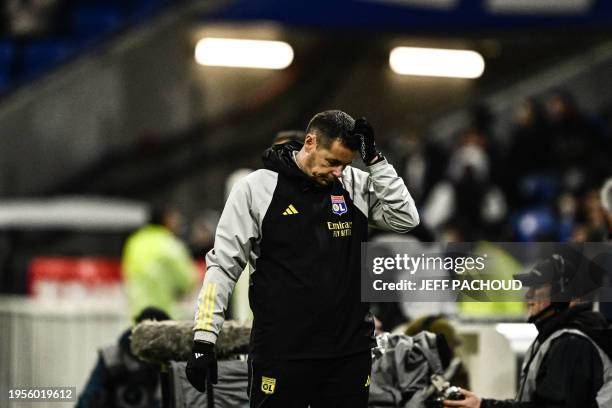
[334,125]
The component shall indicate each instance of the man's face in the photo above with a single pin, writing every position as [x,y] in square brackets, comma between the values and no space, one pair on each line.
[323,164]
[538,299]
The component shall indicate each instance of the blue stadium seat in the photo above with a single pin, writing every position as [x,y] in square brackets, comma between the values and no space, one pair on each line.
[534,224]
[45,54]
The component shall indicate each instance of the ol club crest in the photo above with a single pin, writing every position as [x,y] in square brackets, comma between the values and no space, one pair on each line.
[338,204]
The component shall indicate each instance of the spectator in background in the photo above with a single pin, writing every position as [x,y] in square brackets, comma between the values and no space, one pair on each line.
[592,225]
[156,265]
[120,379]
[529,146]
[595,216]
[579,149]
[481,120]
[413,163]
[482,132]
[466,199]
[202,233]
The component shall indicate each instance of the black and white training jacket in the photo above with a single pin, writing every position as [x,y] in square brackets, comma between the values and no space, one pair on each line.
[303,242]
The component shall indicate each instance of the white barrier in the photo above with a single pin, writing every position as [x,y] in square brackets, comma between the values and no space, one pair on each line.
[491,356]
[45,344]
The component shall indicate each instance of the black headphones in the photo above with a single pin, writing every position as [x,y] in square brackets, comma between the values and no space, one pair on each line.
[560,279]
[560,285]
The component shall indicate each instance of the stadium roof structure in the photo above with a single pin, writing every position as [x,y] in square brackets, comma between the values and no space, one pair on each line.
[422,15]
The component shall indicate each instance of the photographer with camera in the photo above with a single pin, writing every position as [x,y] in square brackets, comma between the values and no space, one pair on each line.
[568,364]
[120,379]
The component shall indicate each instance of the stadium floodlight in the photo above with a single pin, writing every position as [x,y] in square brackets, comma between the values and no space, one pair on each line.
[436,62]
[230,52]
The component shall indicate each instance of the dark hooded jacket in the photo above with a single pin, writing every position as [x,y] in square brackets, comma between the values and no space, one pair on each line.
[313,275]
[303,241]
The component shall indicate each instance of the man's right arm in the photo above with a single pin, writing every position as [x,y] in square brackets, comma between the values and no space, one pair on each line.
[236,234]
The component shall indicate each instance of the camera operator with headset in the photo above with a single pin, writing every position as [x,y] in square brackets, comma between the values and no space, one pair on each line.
[569,363]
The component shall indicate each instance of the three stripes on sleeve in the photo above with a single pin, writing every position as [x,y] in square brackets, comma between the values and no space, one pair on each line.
[206,307]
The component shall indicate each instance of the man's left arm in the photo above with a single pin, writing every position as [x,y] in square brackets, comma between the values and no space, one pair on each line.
[390,205]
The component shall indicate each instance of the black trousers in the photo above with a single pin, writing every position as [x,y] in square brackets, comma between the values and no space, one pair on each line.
[342,382]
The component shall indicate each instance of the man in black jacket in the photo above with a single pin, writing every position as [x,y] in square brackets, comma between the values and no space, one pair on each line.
[568,365]
[300,223]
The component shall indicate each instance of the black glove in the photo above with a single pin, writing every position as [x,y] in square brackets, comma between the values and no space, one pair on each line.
[202,364]
[367,148]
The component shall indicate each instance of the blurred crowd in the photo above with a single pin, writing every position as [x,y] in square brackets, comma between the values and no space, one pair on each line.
[540,182]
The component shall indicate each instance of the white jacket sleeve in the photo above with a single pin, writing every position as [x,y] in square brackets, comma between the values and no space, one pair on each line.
[235,241]
[391,206]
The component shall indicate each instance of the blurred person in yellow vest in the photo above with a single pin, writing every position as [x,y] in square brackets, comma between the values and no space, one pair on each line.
[157,267]
[500,265]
